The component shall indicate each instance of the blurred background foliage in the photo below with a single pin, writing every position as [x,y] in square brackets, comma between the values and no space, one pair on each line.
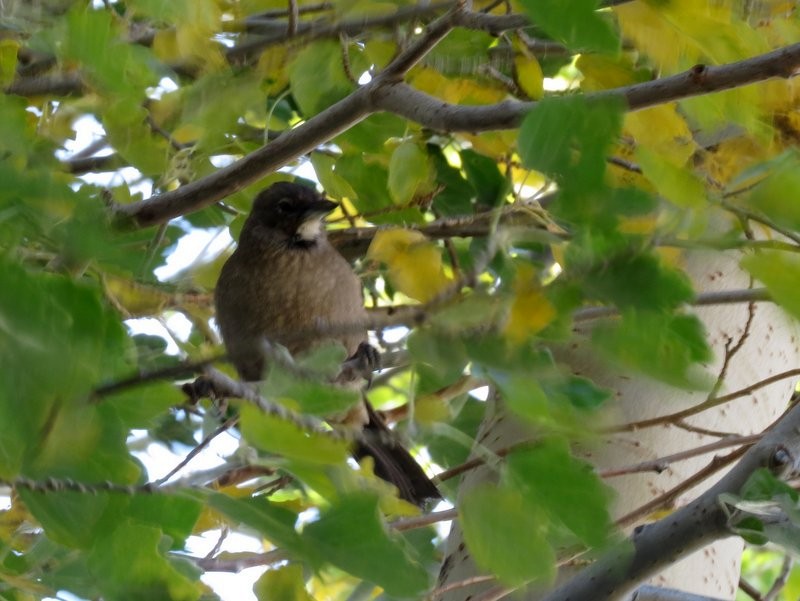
[511,232]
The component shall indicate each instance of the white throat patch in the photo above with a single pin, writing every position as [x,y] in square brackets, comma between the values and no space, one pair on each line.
[310,230]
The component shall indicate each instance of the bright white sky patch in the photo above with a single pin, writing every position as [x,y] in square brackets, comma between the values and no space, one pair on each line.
[198,246]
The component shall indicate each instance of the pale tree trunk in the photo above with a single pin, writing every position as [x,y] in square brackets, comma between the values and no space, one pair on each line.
[759,341]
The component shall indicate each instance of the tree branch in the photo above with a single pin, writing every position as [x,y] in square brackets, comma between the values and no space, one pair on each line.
[660,544]
[334,120]
[386,92]
[435,114]
[279,33]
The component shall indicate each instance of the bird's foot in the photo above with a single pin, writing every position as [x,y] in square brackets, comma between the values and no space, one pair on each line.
[364,361]
[201,388]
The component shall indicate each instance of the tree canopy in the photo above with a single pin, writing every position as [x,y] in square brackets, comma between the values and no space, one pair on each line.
[504,170]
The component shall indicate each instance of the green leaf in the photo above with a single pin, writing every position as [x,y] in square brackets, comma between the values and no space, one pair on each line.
[92,39]
[371,134]
[566,487]
[63,329]
[214,104]
[524,395]
[275,435]
[774,196]
[446,451]
[351,536]
[505,535]
[369,181]
[16,130]
[460,51]
[125,124]
[484,174]
[637,281]
[309,396]
[582,393]
[282,584]
[332,182]
[444,353]
[676,183]
[576,23]
[141,406]
[128,566]
[276,523]
[780,273]
[409,171]
[666,347]
[317,77]
[763,485]
[457,193]
[174,514]
[69,518]
[568,138]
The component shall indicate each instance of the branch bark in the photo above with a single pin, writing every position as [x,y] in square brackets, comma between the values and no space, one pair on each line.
[659,544]
[387,92]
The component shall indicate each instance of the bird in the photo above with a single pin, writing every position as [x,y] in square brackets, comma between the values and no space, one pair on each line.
[286,284]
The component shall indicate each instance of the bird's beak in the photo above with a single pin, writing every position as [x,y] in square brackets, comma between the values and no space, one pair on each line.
[316,209]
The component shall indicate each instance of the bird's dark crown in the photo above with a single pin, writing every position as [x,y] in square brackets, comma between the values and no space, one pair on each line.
[286,207]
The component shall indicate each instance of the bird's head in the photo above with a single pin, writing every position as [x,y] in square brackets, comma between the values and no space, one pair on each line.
[292,210]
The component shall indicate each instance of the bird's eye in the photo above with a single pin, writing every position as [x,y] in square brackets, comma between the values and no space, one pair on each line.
[285,205]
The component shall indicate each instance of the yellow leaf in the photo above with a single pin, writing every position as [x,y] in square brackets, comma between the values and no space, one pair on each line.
[495,144]
[8,60]
[644,25]
[604,72]
[410,172]
[529,76]
[432,408]
[136,300]
[414,263]
[662,130]
[731,157]
[675,183]
[530,310]
[165,45]
[456,90]
[272,67]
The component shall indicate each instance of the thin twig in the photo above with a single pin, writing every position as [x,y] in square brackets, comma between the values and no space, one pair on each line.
[453,586]
[662,463]
[224,427]
[749,590]
[781,580]
[708,404]
[421,521]
[182,370]
[665,499]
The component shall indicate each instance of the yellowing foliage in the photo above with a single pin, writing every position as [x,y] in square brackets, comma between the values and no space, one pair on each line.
[529,76]
[530,310]
[604,72]
[414,263]
[455,90]
[662,130]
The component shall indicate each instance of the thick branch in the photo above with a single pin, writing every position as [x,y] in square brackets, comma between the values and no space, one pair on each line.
[304,138]
[279,33]
[660,544]
[224,182]
[65,84]
[386,93]
[431,112]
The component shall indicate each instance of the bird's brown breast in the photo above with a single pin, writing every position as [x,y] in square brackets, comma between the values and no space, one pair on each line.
[297,297]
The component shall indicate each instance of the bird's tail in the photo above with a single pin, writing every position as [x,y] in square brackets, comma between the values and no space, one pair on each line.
[393,463]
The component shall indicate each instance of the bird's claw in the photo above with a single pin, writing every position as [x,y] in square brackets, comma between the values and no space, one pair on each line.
[364,361]
[368,357]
